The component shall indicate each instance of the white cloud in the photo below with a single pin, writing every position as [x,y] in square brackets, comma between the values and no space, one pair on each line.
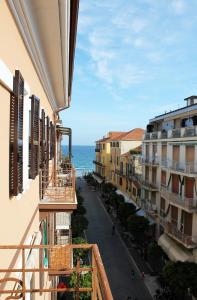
[179,6]
[138,24]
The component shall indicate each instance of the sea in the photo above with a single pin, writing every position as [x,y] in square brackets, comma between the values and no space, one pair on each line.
[82,157]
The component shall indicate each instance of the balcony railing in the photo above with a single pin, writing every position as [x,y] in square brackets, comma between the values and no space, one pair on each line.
[183,132]
[188,240]
[98,163]
[188,167]
[147,185]
[185,202]
[59,190]
[151,160]
[15,280]
[176,133]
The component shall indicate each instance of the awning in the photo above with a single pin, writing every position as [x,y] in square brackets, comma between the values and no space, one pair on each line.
[142,213]
[98,179]
[174,251]
[126,198]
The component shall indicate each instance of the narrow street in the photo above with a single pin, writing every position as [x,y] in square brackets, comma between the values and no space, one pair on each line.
[117,261]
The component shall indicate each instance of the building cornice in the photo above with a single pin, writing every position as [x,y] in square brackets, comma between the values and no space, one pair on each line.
[33,19]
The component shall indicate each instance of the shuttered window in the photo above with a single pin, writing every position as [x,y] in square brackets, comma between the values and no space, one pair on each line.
[16,135]
[34,138]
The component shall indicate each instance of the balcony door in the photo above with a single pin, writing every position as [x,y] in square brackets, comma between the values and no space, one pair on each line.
[154,176]
[174,215]
[189,187]
[176,156]
[189,158]
[187,223]
[175,184]
[147,151]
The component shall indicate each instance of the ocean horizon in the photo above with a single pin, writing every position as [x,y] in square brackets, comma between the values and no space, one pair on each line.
[82,157]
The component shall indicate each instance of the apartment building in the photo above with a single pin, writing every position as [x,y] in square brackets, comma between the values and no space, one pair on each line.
[120,145]
[37,188]
[103,157]
[169,179]
[130,174]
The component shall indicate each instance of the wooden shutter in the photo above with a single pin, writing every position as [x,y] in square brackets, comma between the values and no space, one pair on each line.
[163,177]
[42,138]
[176,153]
[16,135]
[174,215]
[187,217]
[34,137]
[52,140]
[175,183]
[189,187]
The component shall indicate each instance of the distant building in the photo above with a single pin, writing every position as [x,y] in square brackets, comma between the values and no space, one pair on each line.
[169,183]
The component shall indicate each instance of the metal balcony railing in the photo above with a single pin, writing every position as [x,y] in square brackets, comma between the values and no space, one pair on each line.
[182,132]
[15,280]
[188,240]
[185,202]
[59,189]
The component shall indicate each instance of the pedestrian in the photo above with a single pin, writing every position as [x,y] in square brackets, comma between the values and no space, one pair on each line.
[142,275]
[132,274]
[113,229]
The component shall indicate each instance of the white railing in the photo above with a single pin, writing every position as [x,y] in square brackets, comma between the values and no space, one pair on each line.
[182,132]
[185,202]
[188,240]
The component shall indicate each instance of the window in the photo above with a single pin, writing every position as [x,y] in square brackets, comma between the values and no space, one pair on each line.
[16,135]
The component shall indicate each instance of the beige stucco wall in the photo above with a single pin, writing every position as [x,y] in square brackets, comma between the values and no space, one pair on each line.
[19,216]
[15,56]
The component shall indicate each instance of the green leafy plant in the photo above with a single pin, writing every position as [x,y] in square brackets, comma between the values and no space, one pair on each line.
[85,281]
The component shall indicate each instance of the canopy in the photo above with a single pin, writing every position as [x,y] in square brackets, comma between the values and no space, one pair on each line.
[174,251]
[98,179]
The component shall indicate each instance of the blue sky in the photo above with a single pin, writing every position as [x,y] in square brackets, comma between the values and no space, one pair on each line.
[134,59]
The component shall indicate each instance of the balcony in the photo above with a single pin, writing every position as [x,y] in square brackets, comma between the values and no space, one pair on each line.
[98,163]
[154,161]
[97,150]
[187,167]
[59,191]
[187,240]
[149,208]
[52,261]
[183,132]
[176,133]
[149,186]
[189,204]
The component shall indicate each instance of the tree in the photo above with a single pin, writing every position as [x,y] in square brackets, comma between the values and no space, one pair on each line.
[138,227]
[181,276]
[115,200]
[78,223]
[124,211]
[80,199]
[79,253]
[108,188]
[80,210]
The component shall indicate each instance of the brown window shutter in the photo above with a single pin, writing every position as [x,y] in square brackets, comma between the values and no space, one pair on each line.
[16,135]
[13,146]
[34,137]
[52,140]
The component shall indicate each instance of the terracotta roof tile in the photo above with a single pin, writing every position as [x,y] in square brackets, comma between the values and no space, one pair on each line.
[132,135]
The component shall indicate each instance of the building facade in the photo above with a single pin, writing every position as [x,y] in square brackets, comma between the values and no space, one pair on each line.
[169,179]
[37,187]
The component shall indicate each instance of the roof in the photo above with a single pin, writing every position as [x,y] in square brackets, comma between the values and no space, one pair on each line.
[111,135]
[48,29]
[132,135]
[137,150]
